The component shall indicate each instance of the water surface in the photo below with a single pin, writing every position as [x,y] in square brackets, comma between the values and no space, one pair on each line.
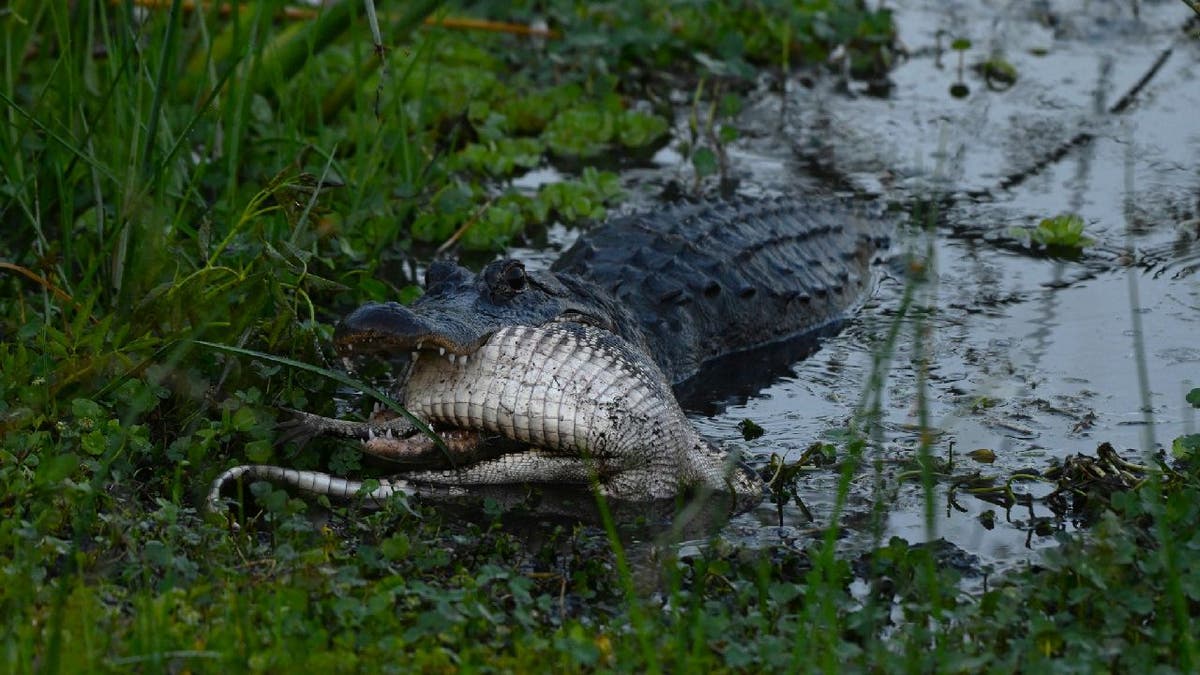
[1032,357]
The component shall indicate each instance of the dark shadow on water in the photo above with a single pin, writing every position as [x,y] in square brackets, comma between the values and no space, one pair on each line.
[529,511]
[733,379]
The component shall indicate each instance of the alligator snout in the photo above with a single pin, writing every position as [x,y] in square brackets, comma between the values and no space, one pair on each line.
[394,327]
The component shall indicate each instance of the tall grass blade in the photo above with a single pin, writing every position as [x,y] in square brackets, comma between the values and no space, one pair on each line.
[160,85]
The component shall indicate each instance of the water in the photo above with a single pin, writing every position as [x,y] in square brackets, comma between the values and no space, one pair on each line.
[1031,357]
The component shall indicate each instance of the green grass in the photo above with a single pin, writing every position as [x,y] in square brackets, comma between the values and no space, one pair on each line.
[173,177]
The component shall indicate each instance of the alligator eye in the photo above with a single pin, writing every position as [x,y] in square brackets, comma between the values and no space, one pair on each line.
[514,276]
[505,279]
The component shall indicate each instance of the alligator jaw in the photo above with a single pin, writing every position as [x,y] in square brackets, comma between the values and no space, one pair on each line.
[394,328]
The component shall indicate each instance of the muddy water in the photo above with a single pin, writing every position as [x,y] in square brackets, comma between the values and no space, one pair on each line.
[1031,357]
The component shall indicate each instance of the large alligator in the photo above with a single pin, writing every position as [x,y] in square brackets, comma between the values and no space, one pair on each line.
[565,377]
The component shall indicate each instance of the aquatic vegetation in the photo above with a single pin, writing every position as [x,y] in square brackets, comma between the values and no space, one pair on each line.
[1061,234]
[997,72]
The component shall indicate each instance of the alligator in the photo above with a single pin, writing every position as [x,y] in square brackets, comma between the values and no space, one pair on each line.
[566,376]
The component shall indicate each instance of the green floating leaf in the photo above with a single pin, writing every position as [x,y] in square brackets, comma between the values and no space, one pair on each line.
[982,455]
[638,129]
[1193,397]
[998,73]
[750,430]
[1064,230]
[580,132]
[1186,447]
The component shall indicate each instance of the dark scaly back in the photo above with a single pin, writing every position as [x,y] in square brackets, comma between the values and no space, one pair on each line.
[708,279]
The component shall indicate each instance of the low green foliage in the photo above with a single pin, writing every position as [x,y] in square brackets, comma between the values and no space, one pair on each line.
[1062,234]
[1186,446]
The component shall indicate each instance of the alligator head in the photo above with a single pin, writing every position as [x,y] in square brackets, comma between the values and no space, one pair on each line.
[460,310]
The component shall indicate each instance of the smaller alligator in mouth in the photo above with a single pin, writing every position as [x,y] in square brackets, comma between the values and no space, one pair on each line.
[565,377]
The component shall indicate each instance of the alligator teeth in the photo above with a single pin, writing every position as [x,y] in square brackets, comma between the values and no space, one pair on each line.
[441,351]
[414,356]
[390,435]
[370,433]
[378,407]
[419,343]
[463,359]
[452,357]
[347,363]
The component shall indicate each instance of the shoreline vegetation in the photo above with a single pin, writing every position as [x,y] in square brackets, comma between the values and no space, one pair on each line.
[243,173]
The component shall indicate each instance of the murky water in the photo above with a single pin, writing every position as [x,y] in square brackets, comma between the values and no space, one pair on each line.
[1031,357]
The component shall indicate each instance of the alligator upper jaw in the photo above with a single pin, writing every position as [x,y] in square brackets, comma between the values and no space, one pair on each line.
[392,327]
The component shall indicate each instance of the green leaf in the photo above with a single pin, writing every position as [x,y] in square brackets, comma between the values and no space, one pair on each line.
[396,547]
[636,129]
[258,452]
[581,132]
[1193,397]
[750,430]
[244,418]
[83,408]
[1186,447]
[94,443]
[56,468]
[705,161]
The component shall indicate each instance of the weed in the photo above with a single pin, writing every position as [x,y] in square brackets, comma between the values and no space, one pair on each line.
[1060,235]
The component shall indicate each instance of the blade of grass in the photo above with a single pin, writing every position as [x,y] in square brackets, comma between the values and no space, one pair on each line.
[65,143]
[343,92]
[160,85]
